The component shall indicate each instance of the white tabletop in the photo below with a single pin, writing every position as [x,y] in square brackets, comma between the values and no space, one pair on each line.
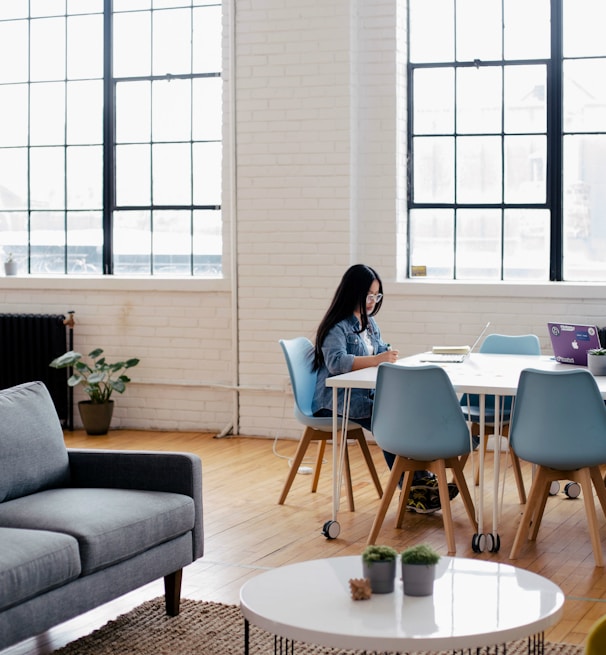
[475,603]
[479,373]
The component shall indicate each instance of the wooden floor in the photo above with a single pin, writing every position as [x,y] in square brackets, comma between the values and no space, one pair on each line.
[246,531]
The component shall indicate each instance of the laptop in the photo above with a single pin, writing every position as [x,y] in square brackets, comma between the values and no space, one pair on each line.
[451,354]
[571,342]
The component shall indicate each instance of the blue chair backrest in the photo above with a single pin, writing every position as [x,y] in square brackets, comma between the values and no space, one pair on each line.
[511,344]
[504,344]
[417,413]
[299,357]
[559,419]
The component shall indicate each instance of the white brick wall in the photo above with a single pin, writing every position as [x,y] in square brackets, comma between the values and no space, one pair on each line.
[316,156]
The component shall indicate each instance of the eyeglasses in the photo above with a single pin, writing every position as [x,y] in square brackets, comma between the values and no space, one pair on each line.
[374,297]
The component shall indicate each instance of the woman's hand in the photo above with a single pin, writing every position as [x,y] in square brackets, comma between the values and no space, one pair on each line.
[390,356]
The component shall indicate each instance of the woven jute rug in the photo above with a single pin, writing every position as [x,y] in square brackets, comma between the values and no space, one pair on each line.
[204,628]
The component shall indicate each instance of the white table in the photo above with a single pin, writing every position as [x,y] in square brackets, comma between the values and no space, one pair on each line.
[481,374]
[475,603]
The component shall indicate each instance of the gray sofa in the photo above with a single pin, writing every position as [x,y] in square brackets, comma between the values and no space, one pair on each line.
[81,527]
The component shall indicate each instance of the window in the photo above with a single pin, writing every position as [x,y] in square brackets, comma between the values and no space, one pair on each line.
[110,144]
[507,139]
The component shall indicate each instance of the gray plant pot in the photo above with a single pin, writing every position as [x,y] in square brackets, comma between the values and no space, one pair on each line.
[382,576]
[10,268]
[418,579]
[596,364]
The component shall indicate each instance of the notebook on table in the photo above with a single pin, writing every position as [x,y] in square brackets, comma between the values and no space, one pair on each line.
[451,354]
[571,342]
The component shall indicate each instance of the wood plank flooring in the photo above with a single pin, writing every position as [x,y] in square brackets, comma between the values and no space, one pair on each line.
[246,531]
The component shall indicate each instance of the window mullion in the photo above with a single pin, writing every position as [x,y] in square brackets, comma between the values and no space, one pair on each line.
[109,91]
[554,143]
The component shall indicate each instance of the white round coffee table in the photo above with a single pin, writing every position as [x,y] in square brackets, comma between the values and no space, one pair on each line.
[475,603]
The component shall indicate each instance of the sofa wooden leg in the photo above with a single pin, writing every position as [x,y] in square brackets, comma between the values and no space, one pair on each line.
[172,592]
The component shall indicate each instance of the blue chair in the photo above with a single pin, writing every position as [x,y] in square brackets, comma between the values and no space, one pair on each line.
[299,353]
[559,424]
[500,344]
[417,417]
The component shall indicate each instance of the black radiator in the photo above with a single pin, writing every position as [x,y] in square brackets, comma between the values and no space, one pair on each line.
[28,343]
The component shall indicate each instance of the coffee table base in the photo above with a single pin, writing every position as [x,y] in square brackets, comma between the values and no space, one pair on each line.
[284,646]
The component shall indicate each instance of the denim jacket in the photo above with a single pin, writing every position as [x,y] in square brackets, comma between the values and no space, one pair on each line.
[341,345]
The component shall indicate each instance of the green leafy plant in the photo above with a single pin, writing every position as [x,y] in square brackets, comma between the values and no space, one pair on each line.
[420,554]
[597,351]
[100,379]
[379,554]
[9,258]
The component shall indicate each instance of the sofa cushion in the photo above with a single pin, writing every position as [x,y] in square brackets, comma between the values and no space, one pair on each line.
[32,450]
[110,525]
[34,561]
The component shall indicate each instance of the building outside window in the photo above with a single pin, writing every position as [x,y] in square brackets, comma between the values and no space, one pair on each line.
[110,144]
[507,139]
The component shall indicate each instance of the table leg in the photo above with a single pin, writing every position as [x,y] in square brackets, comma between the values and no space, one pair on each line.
[478,540]
[497,464]
[331,528]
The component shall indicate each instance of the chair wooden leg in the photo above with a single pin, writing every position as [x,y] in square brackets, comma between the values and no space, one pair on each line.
[583,477]
[549,475]
[392,484]
[539,488]
[361,439]
[318,465]
[459,477]
[404,494]
[517,473]
[296,462]
[599,485]
[439,469]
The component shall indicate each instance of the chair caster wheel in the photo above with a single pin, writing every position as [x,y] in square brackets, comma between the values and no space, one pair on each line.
[478,542]
[554,488]
[495,542]
[331,529]
[572,490]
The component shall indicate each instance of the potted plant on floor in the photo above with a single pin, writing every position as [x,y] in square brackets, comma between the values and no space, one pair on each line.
[100,380]
[419,569]
[379,568]
[596,361]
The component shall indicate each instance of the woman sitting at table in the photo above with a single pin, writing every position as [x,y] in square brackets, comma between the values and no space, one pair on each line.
[349,339]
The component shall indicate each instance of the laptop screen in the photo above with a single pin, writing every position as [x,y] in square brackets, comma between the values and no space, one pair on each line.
[571,342]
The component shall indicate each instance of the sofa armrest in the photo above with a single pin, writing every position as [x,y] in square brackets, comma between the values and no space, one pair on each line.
[179,473]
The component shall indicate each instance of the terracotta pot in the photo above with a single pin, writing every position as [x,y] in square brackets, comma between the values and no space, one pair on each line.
[96,417]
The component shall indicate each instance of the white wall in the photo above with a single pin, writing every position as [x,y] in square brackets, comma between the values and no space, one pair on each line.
[313,176]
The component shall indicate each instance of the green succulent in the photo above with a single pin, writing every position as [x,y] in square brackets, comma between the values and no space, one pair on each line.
[420,554]
[379,554]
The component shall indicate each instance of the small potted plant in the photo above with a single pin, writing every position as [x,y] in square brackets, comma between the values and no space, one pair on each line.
[100,380]
[419,569]
[379,568]
[10,265]
[596,361]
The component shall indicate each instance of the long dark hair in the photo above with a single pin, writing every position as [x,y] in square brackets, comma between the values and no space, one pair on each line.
[349,296]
